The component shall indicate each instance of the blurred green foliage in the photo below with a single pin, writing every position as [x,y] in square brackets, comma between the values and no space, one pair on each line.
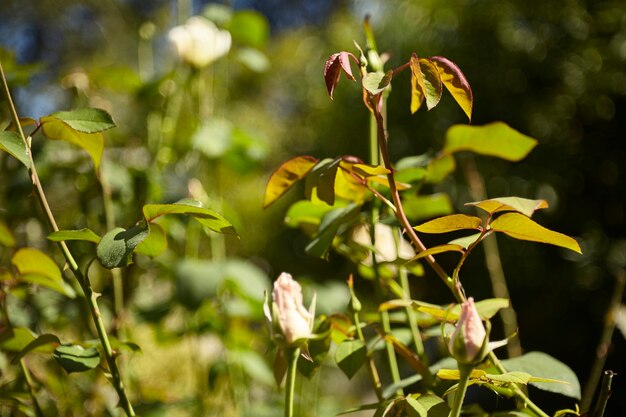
[555,70]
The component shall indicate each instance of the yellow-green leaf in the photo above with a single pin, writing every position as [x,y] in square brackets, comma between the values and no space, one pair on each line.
[82,234]
[155,243]
[494,139]
[439,168]
[418,87]
[523,205]
[6,237]
[438,249]
[369,170]
[12,143]
[521,227]
[455,375]
[432,82]
[456,83]
[286,176]
[204,216]
[57,129]
[36,267]
[450,223]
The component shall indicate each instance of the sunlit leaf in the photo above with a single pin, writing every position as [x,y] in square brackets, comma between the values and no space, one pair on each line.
[523,205]
[12,143]
[439,168]
[418,87]
[35,267]
[541,365]
[286,176]
[494,139]
[87,120]
[75,358]
[16,338]
[204,216]
[450,223]
[465,241]
[82,234]
[6,237]
[521,227]
[455,374]
[306,212]
[456,83]
[321,180]
[156,242]
[350,356]
[376,82]
[115,249]
[57,129]
[432,82]
[438,249]
[426,405]
[365,170]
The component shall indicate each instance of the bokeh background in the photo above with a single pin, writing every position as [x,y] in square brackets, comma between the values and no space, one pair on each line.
[555,70]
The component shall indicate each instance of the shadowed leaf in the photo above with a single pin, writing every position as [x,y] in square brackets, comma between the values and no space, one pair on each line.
[204,216]
[75,358]
[438,249]
[88,120]
[418,86]
[350,356]
[333,67]
[12,143]
[92,143]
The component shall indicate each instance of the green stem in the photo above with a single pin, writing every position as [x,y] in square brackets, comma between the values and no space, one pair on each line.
[82,280]
[31,389]
[292,357]
[459,395]
[371,365]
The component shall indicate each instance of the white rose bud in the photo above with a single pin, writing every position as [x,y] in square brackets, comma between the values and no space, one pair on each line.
[468,342]
[295,322]
[199,42]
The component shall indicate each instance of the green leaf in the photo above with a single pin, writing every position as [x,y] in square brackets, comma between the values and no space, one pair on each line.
[542,365]
[214,138]
[432,82]
[376,82]
[456,83]
[116,247]
[12,143]
[450,223]
[6,237]
[418,207]
[465,241]
[87,120]
[305,212]
[330,225]
[155,243]
[426,405]
[521,227]
[350,356]
[75,358]
[494,139]
[37,344]
[249,28]
[365,170]
[321,180]
[36,267]
[438,249]
[523,205]
[205,216]
[318,349]
[15,339]
[439,168]
[92,143]
[82,234]
[286,176]
[487,308]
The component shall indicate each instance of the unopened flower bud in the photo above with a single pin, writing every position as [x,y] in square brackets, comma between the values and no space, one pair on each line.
[468,341]
[294,321]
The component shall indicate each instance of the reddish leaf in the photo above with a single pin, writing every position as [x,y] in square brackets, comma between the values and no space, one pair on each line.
[332,69]
[285,176]
[456,83]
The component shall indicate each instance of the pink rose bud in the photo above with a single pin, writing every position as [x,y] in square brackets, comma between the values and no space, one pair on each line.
[468,340]
[295,321]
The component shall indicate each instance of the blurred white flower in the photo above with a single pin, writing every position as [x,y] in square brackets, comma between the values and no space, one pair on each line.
[389,246]
[294,321]
[199,42]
